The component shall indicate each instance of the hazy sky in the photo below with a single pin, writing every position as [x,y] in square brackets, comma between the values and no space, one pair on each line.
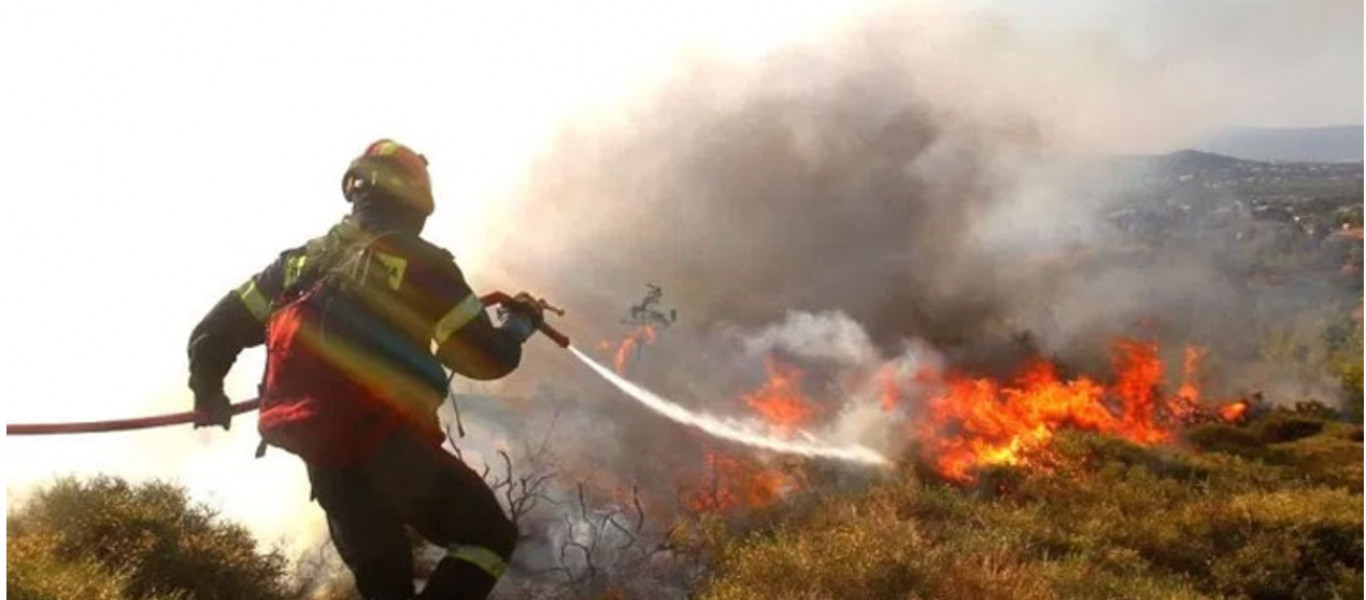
[1261,62]
[156,154]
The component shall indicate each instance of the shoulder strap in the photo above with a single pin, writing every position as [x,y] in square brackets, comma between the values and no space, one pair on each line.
[346,254]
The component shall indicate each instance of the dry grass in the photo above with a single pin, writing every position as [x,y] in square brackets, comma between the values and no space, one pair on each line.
[1272,509]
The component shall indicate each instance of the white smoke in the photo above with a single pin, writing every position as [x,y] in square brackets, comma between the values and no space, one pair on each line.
[830,335]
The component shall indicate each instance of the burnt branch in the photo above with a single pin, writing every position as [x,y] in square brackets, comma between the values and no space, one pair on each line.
[542,449]
[630,536]
[640,510]
[583,506]
[455,448]
[590,570]
[521,494]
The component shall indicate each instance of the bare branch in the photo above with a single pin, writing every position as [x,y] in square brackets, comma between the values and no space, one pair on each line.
[587,559]
[583,506]
[545,439]
[507,463]
[454,447]
[640,511]
[570,542]
[630,537]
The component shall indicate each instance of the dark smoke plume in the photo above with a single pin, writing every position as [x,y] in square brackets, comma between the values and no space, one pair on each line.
[804,189]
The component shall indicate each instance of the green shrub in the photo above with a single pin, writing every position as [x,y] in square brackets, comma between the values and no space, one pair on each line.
[1229,439]
[1344,341]
[1288,544]
[1286,426]
[33,573]
[150,536]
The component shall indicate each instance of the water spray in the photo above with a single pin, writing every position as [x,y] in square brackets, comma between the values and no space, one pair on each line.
[740,432]
[734,430]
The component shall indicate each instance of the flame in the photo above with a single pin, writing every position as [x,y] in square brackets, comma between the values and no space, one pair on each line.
[1187,401]
[1234,412]
[890,391]
[1138,375]
[734,482]
[645,334]
[780,401]
[731,483]
[976,422]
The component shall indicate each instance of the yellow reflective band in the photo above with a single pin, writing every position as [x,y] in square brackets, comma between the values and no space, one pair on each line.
[481,557]
[395,266]
[255,301]
[458,317]
[294,268]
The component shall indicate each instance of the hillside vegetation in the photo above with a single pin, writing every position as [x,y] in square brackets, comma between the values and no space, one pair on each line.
[1268,509]
[106,539]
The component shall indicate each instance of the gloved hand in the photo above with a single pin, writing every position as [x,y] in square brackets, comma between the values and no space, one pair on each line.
[212,407]
[523,315]
[529,306]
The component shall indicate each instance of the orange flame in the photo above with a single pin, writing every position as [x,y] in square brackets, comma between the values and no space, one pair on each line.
[731,483]
[890,391]
[1234,412]
[977,421]
[780,400]
[1187,400]
[645,334]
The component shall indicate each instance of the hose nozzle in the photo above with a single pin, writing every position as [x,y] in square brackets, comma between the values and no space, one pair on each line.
[560,339]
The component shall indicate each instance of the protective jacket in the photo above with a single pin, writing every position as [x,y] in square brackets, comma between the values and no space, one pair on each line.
[357,326]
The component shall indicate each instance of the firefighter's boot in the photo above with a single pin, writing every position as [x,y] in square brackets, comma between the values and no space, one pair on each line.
[456,579]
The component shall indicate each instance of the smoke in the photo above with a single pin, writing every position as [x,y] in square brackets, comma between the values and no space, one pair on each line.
[876,197]
[858,176]
[844,192]
[830,336]
[899,197]
[913,172]
[827,189]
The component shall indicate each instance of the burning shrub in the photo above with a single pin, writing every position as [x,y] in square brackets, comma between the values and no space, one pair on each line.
[977,422]
[1244,515]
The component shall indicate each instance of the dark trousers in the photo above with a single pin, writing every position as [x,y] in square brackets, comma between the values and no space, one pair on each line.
[411,482]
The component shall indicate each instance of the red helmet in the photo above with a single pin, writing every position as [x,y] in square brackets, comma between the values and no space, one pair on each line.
[396,170]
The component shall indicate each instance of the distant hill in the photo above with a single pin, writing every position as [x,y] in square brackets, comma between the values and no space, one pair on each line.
[1192,161]
[1310,144]
[1208,167]
[1253,177]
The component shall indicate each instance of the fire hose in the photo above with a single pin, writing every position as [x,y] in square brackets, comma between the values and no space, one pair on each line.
[491,299]
[729,429]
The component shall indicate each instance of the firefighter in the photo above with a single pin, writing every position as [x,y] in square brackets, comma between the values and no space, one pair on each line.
[357,325]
